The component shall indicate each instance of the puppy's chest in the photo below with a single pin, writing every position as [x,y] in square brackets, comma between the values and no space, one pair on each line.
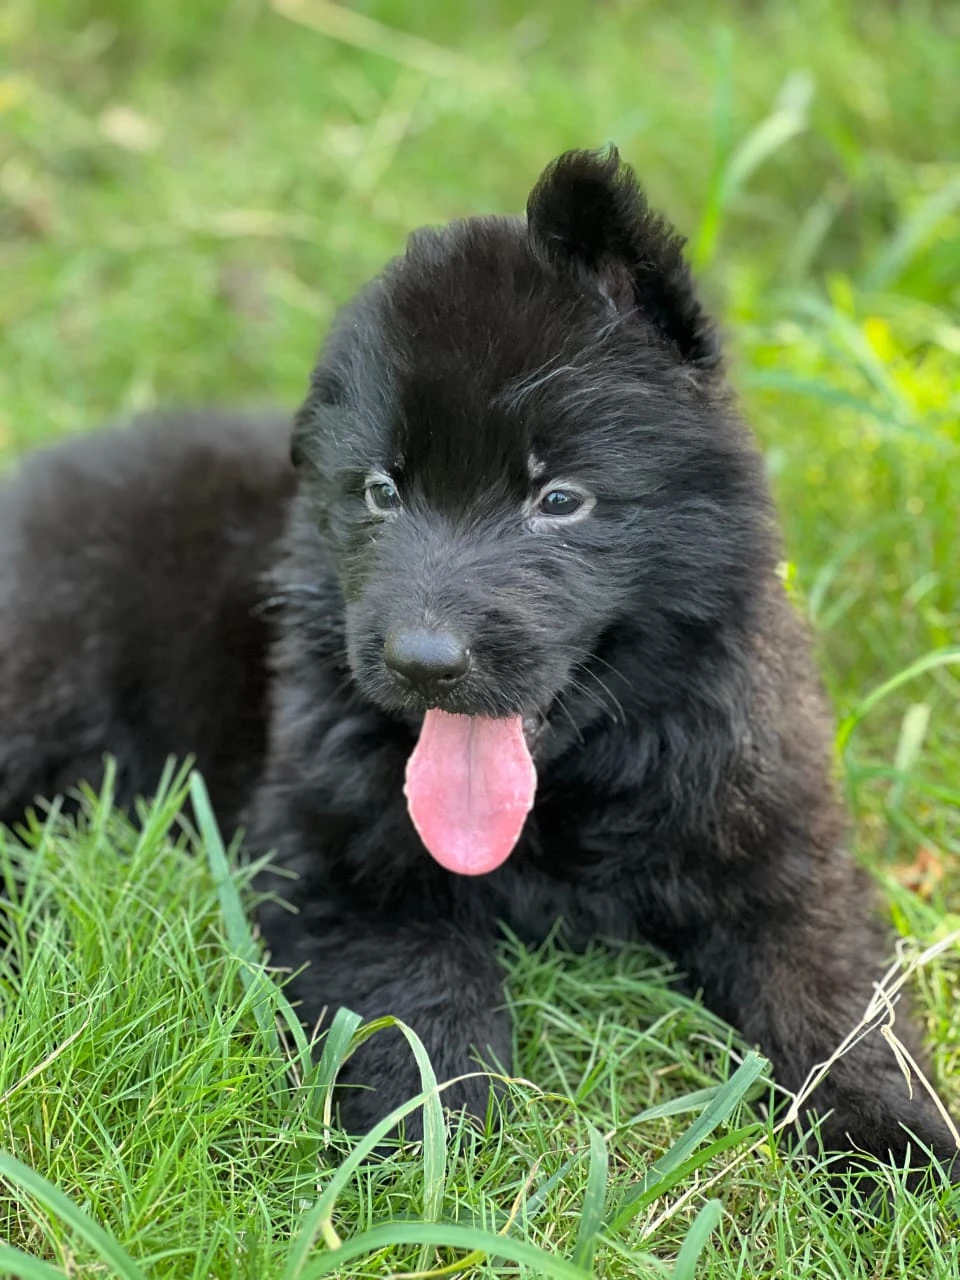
[554,881]
[538,906]
[593,870]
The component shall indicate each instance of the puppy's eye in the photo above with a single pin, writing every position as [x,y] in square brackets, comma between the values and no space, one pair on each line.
[382,496]
[560,502]
[557,503]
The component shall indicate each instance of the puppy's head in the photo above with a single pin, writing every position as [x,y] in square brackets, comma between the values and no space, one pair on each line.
[520,454]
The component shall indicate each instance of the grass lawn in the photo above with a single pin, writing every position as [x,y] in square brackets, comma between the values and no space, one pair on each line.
[187,192]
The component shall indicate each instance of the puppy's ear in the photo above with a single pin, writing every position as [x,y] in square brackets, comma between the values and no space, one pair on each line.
[587,214]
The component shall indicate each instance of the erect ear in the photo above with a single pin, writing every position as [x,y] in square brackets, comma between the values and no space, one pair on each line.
[587,214]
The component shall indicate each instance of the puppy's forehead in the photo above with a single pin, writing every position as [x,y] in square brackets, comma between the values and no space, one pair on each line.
[467,318]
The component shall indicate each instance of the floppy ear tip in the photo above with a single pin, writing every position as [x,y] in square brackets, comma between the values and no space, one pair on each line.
[587,211]
[573,169]
[575,197]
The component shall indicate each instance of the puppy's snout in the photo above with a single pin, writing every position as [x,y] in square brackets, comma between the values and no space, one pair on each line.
[431,662]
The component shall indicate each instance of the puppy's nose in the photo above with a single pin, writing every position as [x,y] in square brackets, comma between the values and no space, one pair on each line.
[430,661]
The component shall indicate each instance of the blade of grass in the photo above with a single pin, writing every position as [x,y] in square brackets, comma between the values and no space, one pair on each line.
[537,1200]
[23,1179]
[315,1094]
[158,815]
[929,662]
[819,589]
[434,1137]
[644,1195]
[446,1235]
[269,1000]
[695,1101]
[338,22]
[886,421]
[594,1200]
[336,1047]
[234,916]
[20,1265]
[787,119]
[913,731]
[728,1097]
[320,1218]
[695,1241]
[903,244]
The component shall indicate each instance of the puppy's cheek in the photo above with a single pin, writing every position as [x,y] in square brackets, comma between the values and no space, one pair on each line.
[362,649]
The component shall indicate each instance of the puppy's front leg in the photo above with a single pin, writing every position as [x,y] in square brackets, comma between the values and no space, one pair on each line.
[443,982]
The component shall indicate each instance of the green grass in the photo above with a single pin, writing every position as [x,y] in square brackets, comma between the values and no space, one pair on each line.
[187,191]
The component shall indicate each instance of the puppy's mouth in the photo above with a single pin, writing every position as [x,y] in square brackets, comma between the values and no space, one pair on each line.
[470,784]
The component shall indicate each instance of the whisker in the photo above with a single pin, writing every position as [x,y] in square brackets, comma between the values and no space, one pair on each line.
[606,689]
[568,713]
[603,662]
[593,697]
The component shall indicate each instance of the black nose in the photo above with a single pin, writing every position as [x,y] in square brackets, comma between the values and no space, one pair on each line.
[430,661]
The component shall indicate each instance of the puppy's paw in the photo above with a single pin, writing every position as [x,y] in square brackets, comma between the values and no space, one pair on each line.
[364,1099]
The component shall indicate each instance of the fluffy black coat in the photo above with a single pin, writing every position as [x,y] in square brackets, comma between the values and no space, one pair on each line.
[132,616]
[682,744]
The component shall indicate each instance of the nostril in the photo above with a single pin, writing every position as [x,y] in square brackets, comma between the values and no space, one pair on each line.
[426,659]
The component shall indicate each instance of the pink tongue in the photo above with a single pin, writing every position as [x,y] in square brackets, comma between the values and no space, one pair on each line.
[470,785]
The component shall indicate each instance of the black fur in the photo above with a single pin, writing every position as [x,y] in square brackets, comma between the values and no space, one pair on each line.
[682,742]
[129,567]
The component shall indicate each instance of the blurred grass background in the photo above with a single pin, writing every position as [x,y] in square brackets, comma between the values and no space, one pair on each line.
[189,190]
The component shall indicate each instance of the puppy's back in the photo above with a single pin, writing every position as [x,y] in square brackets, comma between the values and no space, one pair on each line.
[131,565]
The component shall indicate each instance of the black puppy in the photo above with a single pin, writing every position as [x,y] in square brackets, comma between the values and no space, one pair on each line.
[532,663]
